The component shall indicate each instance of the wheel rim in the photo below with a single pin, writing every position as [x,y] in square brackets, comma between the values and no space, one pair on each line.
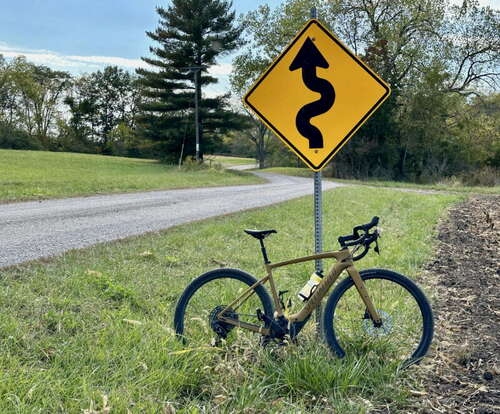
[402,322]
[199,322]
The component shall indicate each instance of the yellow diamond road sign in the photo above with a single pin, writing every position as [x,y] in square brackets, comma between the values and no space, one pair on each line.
[316,95]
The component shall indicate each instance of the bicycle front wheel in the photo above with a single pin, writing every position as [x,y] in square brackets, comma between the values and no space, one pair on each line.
[407,321]
[195,317]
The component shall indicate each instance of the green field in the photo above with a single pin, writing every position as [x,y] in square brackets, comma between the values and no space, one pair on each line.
[227,160]
[303,172]
[28,175]
[92,330]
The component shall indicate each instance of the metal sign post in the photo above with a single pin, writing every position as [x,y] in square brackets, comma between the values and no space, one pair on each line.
[318,215]
[318,222]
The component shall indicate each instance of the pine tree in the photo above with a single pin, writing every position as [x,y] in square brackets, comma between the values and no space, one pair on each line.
[190,33]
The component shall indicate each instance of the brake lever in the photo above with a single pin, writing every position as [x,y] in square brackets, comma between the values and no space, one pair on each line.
[376,249]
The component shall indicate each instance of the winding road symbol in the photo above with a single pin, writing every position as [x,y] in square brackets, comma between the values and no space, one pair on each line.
[308,59]
[315,95]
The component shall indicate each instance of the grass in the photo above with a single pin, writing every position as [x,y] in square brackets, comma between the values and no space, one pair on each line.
[28,175]
[91,330]
[227,160]
[303,172]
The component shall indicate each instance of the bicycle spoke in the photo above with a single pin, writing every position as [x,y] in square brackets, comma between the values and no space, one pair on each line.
[211,298]
[401,326]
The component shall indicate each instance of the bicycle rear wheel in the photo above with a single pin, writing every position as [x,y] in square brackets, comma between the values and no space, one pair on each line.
[407,321]
[195,314]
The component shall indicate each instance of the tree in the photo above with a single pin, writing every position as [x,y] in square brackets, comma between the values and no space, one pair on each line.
[115,101]
[432,53]
[11,135]
[35,93]
[81,128]
[190,33]
[7,93]
[101,101]
[259,135]
[102,109]
[266,35]
[471,48]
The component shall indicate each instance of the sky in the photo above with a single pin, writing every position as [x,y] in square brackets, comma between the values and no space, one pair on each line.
[82,36]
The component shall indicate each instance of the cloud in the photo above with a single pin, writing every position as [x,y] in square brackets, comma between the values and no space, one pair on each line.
[222,69]
[71,63]
[81,64]
[107,60]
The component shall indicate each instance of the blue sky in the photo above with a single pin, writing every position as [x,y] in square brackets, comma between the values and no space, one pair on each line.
[86,27]
[85,35]
[81,36]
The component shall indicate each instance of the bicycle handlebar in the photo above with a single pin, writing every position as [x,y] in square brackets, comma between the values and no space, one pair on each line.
[365,227]
[365,238]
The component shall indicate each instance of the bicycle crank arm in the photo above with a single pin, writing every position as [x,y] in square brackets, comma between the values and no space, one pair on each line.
[278,326]
[296,327]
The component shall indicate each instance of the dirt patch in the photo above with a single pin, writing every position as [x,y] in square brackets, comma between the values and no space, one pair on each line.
[462,374]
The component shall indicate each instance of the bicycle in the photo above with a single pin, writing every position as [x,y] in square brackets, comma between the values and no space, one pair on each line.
[374,309]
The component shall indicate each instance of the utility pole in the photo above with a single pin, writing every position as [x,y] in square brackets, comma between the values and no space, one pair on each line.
[196,69]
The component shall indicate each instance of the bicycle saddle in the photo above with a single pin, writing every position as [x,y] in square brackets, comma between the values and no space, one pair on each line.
[260,234]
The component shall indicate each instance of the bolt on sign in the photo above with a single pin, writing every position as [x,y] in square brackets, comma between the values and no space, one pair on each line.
[316,95]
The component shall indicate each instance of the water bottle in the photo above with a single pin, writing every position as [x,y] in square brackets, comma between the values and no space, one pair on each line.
[309,288]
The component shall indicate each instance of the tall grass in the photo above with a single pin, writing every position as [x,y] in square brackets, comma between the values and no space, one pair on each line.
[92,329]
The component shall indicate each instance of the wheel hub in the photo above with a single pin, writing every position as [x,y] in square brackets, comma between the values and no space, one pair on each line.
[383,330]
[221,328]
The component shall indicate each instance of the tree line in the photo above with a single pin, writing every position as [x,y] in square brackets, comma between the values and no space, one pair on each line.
[41,108]
[442,61]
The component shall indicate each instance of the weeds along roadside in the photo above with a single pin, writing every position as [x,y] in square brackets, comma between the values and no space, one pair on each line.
[97,322]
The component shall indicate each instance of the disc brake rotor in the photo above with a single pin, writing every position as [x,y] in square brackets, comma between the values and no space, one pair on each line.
[383,330]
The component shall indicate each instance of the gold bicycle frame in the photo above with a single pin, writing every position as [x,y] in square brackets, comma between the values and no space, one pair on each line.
[344,262]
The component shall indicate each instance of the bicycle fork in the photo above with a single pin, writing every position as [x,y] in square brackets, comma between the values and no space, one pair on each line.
[361,288]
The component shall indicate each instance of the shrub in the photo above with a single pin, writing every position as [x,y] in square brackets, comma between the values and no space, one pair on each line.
[13,138]
[486,177]
[190,164]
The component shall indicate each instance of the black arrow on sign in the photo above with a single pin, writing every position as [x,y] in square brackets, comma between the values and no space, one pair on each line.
[308,58]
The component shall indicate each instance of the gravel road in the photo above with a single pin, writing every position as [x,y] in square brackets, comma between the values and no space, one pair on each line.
[38,229]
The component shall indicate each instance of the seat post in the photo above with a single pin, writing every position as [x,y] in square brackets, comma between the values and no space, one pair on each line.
[264,253]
